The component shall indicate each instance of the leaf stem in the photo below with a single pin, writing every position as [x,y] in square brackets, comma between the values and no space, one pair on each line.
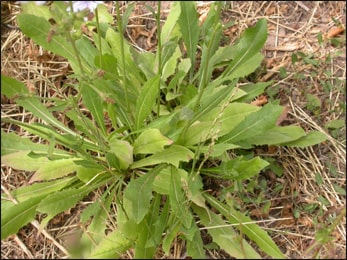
[120,29]
[68,35]
[159,54]
[99,37]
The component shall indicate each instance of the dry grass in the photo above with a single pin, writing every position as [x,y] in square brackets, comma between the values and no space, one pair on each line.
[309,174]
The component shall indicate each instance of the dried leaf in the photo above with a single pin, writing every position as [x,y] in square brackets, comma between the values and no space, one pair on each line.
[259,101]
[282,116]
[334,31]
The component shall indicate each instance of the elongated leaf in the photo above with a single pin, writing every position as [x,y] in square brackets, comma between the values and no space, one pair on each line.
[123,151]
[224,236]
[171,233]
[253,90]
[172,155]
[189,26]
[253,231]
[228,119]
[93,102]
[144,250]
[132,72]
[278,135]
[11,143]
[22,161]
[241,168]
[159,226]
[18,216]
[138,194]
[95,232]
[212,100]
[82,123]
[30,7]
[200,132]
[55,169]
[170,23]
[250,43]
[146,100]
[195,248]
[161,181]
[254,124]
[62,200]
[38,189]
[177,199]
[38,28]
[247,67]
[217,150]
[12,87]
[86,50]
[73,142]
[85,174]
[110,247]
[312,138]
[150,141]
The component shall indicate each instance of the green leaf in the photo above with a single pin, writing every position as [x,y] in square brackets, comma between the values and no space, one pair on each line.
[134,78]
[335,124]
[247,67]
[211,100]
[278,135]
[22,161]
[225,236]
[62,200]
[232,115]
[138,194]
[38,189]
[146,100]
[178,200]
[218,149]
[18,216]
[242,169]
[189,27]
[95,232]
[161,182]
[38,28]
[195,248]
[104,14]
[30,7]
[199,132]
[143,249]
[249,44]
[312,138]
[171,233]
[12,87]
[253,90]
[73,142]
[252,230]
[159,225]
[55,169]
[123,151]
[169,65]
[170,23]
[87,51]
[254,124]
[151,141]
[111,246]
[172,155]
[94,104]
[85,174]
[83,123]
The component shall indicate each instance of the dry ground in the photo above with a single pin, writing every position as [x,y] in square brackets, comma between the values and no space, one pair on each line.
[301,202]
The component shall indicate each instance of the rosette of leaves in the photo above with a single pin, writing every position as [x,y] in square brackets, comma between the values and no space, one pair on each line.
[169,114]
